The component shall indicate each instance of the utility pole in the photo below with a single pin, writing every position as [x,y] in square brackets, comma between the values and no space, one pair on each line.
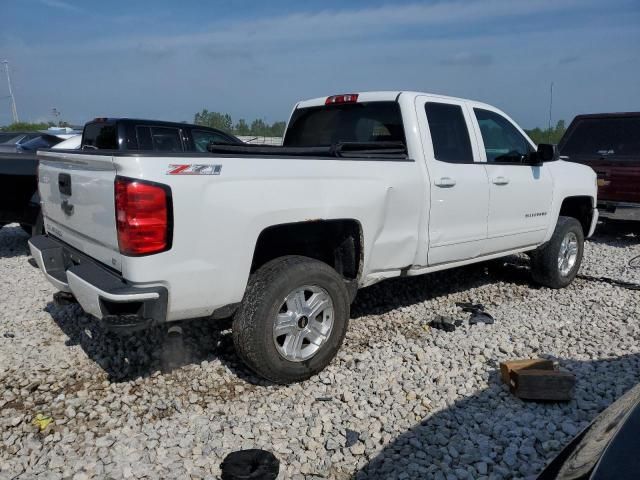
[550,107]
[14,110]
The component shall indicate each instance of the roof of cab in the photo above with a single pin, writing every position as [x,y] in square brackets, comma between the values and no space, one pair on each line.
[381,96]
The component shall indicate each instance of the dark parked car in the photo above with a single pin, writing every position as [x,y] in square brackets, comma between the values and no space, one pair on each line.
[151,135]
[10,141]
[607,449]
[610,144]
[19,200]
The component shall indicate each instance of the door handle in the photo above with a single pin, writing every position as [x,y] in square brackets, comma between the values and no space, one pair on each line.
[445,182]
[500,181]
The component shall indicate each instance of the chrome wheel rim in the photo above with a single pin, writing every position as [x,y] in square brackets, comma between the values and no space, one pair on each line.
[568,253]
[303,323]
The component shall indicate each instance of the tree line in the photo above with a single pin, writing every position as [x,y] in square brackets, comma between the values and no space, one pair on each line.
[31,127]
[223,121]
[547,135]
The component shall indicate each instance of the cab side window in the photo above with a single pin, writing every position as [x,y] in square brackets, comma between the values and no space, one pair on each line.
[503,143]
[449,133]
[159,139]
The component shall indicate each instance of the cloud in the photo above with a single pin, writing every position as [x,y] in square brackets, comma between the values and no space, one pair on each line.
[295,30]
[568,59]
[468,59]
[59,4]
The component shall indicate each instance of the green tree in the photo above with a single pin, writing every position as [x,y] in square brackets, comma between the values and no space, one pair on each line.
[26,127]
[548,135]
[242,128]
[259,128]
[217,120]
[223,121]
[277,129]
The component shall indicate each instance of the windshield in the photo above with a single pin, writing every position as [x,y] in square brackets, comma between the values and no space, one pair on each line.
[353,122]
[603,137]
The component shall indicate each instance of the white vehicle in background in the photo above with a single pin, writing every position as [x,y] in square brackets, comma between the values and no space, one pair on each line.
[366,187]
[72,143]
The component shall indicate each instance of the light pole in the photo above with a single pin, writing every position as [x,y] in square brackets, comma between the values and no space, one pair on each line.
[14,110]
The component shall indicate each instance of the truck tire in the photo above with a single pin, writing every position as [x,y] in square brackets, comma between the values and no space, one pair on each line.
[292,319]
[556,263]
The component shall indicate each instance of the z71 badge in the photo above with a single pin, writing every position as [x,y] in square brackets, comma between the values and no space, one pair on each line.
[194,169]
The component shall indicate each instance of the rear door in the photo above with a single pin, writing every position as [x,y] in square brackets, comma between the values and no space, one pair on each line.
[520,195]
[610,144]
[459,189]
[77,195]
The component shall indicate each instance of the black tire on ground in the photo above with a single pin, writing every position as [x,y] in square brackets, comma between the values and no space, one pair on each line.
[254,321]
[37,228]
[545,267]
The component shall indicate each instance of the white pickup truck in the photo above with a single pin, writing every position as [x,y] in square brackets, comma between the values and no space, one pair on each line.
[366,187]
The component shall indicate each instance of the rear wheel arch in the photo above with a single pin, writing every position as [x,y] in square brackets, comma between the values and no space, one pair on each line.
[336,242]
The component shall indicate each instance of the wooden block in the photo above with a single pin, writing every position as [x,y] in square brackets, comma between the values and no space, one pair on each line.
[534,384]
[507,367]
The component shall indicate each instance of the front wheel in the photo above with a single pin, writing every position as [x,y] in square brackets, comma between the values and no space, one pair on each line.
[557,262]
[292,319]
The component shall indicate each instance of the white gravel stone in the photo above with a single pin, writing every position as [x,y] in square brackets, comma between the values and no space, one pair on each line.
[425,403]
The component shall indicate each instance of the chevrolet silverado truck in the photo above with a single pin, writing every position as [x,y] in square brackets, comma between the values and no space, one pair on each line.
[610,144]
[366,187]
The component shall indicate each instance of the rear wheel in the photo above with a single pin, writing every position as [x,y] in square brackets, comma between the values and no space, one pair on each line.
[556,263]
[292,319]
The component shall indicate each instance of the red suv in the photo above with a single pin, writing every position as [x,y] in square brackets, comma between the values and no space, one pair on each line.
[610,144]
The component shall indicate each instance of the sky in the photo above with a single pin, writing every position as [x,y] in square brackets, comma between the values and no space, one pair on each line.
[169,59]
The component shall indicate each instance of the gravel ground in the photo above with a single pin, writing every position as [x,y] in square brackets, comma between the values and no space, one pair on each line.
[400,400]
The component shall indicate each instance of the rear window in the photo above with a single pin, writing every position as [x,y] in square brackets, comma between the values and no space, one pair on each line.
[100,136]
[603,137]
[353,122]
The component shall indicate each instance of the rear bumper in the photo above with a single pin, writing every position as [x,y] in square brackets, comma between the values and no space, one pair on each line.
[99,291]
[619,210]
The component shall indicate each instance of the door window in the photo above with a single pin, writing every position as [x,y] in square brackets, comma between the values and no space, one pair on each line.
[449,133]
[159,139]
[503,143]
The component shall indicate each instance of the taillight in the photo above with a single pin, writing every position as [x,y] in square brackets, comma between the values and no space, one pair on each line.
[143,217]
[346,98]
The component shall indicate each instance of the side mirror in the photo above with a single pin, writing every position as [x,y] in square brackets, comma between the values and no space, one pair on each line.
[546,153]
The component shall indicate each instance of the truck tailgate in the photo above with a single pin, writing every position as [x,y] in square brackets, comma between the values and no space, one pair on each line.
[77,195]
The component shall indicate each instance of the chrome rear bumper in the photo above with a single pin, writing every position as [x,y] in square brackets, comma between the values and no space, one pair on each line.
[100,291]
[620,210]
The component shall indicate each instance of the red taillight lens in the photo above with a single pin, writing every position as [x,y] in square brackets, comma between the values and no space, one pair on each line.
[142,217]
[346,98]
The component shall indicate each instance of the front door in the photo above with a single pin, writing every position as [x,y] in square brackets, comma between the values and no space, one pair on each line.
[459,189]
[520,195]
